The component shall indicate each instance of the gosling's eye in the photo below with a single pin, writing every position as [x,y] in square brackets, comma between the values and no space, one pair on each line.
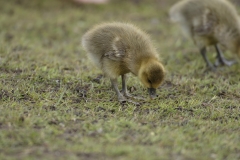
[149,81]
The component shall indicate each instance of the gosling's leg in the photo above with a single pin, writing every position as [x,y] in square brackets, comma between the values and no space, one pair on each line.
[220,58]
[124,89]
[208,63]
[124,86]
[121,98]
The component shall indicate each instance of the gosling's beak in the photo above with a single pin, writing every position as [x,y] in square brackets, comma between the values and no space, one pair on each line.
[152,92]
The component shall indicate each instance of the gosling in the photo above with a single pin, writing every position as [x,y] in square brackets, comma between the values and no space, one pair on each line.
[119,48]
[209,22]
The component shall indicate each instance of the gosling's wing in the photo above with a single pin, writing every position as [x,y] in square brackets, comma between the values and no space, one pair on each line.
[205,24]
[115,55]
[117,52]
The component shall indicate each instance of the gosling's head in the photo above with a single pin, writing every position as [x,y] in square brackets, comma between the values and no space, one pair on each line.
[151,74]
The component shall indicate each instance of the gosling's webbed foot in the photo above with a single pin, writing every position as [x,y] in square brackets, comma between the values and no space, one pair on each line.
[127,95]
[133,102]
[224,62]
[122,99]
[139,98]
[210,68]
[220,58]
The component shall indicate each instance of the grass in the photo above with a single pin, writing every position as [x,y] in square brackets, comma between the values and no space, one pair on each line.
[54,104]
